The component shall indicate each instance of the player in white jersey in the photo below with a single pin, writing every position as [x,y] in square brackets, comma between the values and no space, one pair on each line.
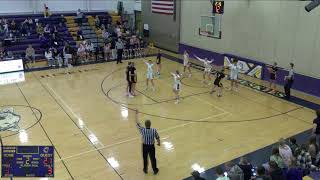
[207,68]
[150,74]
[186,63]
[176,85]
[234,73]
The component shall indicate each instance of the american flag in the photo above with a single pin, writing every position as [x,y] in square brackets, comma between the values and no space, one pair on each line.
[163,7]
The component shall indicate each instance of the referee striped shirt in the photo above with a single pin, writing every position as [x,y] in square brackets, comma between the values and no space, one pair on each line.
[148,134]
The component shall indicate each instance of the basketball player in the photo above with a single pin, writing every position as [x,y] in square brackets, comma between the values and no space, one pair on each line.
[217,82]
[207,68]
[159,62]
[133,76]
[149,74]
[129,83]
[176,85]
[186,63]
[273,76]
[234,73]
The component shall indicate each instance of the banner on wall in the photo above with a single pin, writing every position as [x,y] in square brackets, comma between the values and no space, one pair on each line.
[247,68]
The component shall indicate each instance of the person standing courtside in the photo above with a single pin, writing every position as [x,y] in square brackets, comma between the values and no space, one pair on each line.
[148,136]
[119,47]
[289,81]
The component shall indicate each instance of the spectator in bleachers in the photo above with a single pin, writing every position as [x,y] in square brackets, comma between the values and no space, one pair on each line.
[304,160]
[47,30]
[294,146]
[285,152]
[13,27]
[234,171]
[294,173]
[316,126]
[220,174]
[79,17]
[56,57]
[89,49]
[261,174]
[54,41]
[30,23]
[275,157]
[313,149]
[81,52]
[97,22]
[67,54]
[24,29]
[276,172]
[39,29]
[48,55]
[79,35]
[63,20]
[196,176]
[107,51]
[246,168]
[30,54]
[44,42]
[46,11]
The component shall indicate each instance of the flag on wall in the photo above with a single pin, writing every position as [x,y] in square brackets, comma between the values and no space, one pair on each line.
[163,7]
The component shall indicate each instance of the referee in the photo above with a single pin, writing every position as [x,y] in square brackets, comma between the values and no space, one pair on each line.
[148,136]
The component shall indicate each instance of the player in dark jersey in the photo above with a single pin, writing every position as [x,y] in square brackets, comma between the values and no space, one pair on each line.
[133,78]
[159,55]
[128,78]
[273,75]
[217,82]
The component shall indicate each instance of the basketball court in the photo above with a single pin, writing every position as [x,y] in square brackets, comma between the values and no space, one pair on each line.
[84,113]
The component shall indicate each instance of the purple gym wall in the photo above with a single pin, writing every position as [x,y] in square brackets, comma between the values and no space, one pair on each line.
[302,83]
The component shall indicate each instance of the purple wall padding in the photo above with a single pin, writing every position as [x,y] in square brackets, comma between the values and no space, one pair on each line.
[202,53]
[302,83]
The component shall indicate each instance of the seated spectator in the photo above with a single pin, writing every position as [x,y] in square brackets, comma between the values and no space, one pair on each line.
[246,168]
[196,176]
[107,51]
[277,158]
[316,126]
[261,174]
[285,152]
[63,20]
[44,42]
[13,26]
[47,30]
[46,11]
[234,171]
[48,55]
[303,158]
[81,52]
[79,17]
[89,49]
[39,29]
[30,23]
[97,22]
[9,55]
[67,54]
[105,35]
[276,172]
[54,41]
[294,146]
[30,54]
[294,173]
[220,174]
[56,57]
[79,35]
[313,149]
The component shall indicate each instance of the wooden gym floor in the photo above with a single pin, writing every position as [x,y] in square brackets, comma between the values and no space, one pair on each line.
[84,113]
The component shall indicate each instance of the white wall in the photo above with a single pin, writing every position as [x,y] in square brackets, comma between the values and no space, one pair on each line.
[263,30]
[14,6]
[30,6]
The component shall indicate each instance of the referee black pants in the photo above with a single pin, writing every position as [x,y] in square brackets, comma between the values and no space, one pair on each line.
[119,53]
[287,88]
[149,150]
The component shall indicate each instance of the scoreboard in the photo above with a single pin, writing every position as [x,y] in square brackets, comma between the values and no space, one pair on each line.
[27,161]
